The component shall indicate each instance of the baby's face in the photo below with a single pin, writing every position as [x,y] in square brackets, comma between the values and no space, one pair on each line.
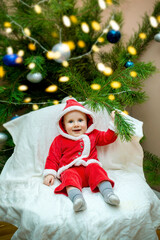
[75,123]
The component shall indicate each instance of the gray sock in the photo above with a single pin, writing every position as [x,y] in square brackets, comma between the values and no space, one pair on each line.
[105,188]
[76,197]
[75,193]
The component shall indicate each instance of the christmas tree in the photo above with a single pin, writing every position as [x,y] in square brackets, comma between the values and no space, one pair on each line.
[52,49]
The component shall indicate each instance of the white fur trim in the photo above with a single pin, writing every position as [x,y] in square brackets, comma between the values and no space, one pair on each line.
[49,171]
[75,108]
[112,126]
[77,162]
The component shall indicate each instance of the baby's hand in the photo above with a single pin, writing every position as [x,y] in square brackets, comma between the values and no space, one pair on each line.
[113,115]
[49,180]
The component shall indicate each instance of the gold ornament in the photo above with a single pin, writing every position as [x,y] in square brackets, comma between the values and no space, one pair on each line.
[7,24]
[96,86]
[115,84]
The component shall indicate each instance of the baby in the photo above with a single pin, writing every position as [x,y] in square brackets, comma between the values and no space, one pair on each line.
[73,156]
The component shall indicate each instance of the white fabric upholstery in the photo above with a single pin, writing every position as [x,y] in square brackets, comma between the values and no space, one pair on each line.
[40,214]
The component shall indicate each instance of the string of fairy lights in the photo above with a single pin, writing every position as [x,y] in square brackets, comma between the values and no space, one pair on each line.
[57,56]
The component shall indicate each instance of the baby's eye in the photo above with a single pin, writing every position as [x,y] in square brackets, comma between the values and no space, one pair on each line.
[70,121]
[80,120]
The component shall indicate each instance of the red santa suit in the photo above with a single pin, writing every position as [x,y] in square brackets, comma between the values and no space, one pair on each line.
[74,159]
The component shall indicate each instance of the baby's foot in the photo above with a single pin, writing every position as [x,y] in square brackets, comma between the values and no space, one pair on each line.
[112,199]
[79,204]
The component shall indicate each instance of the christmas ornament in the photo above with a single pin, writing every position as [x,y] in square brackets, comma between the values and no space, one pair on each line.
[12,60]
[34,77]
[113,36]
[157,37]
[63,50]
[129,64]
[3,137]
[2,72]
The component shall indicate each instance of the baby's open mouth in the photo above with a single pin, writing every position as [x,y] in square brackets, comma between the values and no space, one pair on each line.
[77,130]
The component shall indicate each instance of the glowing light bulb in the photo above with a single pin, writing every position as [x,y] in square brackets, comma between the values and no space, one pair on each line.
[108,71]
[142,35]
[85,27]
[95,48]
[115,84]
[126,112]
[35,107]
[101,67]
[81,44]
[32,46]
[96,26]
[153,22]
[133,74]
[55,102]
[114,25]
[19,60]
[111,97]
[96,86]
[66,21]
[109,2]
[37,9]
[50,54]
[31,65]
[132,50]
[2,72]
[74,19]
[102,4]
[65,64]
[100,39]
[51,88]
[20,53]
[71,45]
[23,88]
[27,32]
[64,79]
[7,24]
[9,50]
[27,100]
[8,30]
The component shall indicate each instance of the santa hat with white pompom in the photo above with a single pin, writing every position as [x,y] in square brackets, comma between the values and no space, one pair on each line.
[73,105]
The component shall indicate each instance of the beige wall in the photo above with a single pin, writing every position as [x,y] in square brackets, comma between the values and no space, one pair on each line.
[149,112]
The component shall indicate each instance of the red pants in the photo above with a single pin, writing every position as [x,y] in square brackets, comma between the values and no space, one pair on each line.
[81,176]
